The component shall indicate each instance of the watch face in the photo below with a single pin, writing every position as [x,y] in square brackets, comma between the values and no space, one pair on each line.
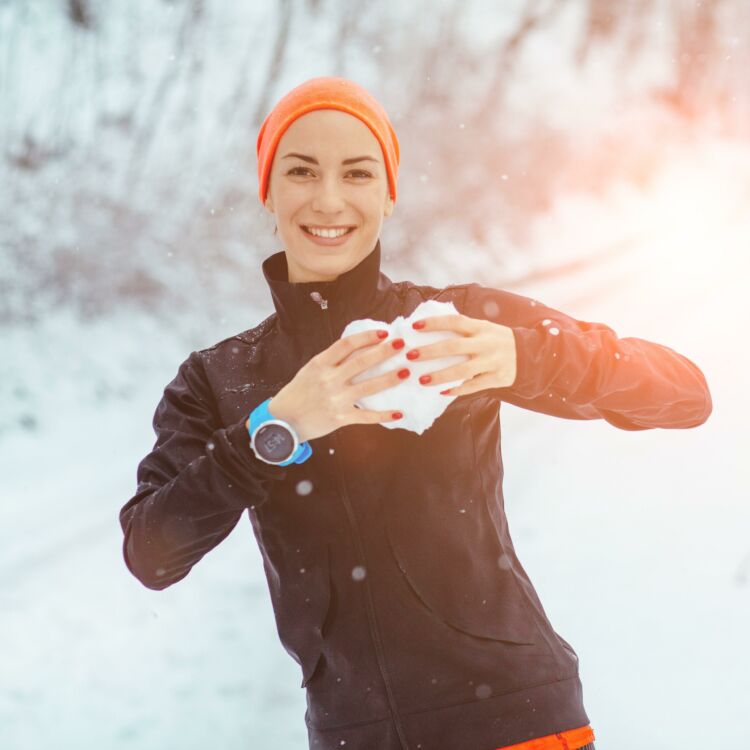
[274,442]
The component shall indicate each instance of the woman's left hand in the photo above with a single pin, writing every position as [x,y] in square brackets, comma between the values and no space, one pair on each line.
[491,348]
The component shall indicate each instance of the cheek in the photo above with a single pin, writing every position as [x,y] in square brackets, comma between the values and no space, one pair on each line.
[289,203]
[372,202]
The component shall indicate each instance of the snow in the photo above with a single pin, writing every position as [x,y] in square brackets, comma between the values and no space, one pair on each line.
[420,406]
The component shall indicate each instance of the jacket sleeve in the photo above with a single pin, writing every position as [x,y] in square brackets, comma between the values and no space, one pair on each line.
[577,369]
[194,485]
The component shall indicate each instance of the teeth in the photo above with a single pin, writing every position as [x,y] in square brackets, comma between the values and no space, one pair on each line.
[330,233]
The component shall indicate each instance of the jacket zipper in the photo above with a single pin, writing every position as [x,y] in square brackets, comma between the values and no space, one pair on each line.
[360,548]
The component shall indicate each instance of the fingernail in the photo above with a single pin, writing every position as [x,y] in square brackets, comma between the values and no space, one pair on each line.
[403,373]
[418,324]
[397,343]
[382,334]
[425,379]
[446,391]
[413,354]
[397,415]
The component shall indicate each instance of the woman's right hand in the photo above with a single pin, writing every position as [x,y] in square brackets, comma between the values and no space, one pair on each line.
[320,398]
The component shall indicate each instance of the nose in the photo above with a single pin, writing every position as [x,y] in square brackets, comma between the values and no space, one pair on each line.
[328,196]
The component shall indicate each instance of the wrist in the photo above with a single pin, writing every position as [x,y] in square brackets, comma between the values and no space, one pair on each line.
[279,411]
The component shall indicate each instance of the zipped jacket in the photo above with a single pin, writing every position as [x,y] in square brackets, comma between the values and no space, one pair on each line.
[390,566]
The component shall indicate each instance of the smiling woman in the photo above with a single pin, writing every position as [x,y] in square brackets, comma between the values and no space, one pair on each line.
[391,569]
[321,200]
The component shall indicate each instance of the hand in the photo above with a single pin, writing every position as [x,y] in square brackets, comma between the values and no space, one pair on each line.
[491,348]
[320,398]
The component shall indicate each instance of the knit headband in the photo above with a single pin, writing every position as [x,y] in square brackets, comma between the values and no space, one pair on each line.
[326,92]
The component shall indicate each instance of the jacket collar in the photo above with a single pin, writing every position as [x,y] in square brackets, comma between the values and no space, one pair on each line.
[347,297]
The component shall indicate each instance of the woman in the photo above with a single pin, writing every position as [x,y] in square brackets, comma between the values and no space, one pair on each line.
[392,573]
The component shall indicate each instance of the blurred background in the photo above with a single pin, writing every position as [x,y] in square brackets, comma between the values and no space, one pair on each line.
[590,154]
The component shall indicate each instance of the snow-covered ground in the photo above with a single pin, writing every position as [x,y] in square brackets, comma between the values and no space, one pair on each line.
[637,542]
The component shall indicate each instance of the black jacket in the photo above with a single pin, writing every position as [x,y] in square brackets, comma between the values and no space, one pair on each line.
[388,556]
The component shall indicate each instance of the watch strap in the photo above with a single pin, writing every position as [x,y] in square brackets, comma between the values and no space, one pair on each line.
[260,414]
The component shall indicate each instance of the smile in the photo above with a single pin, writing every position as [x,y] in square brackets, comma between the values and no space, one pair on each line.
[327,232]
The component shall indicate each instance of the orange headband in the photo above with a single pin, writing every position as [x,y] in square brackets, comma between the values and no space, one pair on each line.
[326,92]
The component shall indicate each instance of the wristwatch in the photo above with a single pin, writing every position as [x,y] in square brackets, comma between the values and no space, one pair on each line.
[274,440]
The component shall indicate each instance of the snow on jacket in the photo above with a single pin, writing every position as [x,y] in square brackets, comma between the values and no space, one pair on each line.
[389,561]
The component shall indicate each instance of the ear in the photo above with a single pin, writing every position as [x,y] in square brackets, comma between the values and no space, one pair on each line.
[269,204]
[388,210]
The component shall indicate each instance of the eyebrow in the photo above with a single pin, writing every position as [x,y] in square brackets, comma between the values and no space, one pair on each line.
[313,160]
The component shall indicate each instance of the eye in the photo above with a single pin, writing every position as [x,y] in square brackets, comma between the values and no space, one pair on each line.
[361,173]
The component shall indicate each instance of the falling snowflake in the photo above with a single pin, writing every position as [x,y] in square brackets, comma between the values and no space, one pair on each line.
[483,691]
[304,487]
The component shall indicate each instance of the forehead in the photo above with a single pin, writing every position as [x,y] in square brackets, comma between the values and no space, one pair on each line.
[329,131]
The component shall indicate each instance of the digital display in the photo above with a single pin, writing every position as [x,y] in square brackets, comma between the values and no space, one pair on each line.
[274,442]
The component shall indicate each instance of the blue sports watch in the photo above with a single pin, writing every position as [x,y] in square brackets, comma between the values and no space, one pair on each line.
[274,440]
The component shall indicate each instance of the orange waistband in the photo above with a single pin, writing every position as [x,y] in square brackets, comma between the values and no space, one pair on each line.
[571,739]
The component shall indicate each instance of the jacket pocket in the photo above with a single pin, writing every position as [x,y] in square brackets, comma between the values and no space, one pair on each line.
[301,602]
[463,582]
[442,536]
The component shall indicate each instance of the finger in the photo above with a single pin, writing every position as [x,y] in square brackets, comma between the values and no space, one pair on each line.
[472,385]
[343,347]
[369,358]
[378,383]
[370,416]
[461,371]
[458,323]
[455,345]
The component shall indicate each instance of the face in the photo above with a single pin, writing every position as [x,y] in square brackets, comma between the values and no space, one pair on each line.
[310,186]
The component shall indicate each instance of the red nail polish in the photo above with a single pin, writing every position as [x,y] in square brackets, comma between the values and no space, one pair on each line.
[413,354]
[403,373]
[382,334]
[423,379]
[418,324]
[397,415]
[397,343]
[446,391]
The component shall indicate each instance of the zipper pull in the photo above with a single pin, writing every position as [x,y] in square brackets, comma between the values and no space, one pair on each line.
[319,299]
